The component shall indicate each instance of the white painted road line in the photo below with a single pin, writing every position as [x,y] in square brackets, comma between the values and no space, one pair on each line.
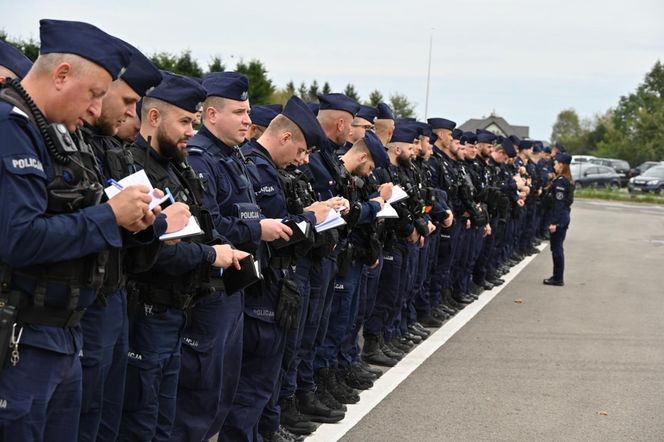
[397,374]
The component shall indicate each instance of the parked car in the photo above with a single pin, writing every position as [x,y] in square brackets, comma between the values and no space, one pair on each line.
[638,170]
[620,166]
[594,175]
[652,180]
[581,158]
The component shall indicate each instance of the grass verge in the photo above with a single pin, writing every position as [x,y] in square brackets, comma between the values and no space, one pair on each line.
[618,195]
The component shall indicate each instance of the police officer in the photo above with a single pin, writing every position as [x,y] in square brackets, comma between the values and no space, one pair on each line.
[272,308]
[562,195]
[12,62]
[379,328]
[328,179]
[260,119]
[180,275]
[212,341]
[105,328]
[55,230]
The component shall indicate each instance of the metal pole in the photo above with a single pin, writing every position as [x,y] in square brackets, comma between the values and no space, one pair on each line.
[426,101]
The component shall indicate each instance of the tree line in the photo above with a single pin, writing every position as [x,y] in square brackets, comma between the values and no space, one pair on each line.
[633,130]
[262,89]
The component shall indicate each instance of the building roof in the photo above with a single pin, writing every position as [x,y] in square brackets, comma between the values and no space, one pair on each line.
[495,124]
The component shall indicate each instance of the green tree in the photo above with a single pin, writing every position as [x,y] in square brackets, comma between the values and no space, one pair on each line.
[326,88]
[351,92]
[375,97]
[30,48]
[164,61]
[567,130]
[260,86]
[313,90]
[216,65]
[186,65]
[636,132]
[302,92]
[290,88]
[401,106]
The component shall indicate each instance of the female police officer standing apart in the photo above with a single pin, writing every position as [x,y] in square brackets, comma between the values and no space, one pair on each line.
[561,193]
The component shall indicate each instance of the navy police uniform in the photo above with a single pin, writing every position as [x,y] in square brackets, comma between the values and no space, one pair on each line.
[53,254]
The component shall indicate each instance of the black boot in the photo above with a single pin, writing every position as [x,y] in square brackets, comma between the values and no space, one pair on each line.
[429,321]
[325,396]
[368,368]
[314,410]
[292,419]
[338,391]
[373,354]
[355,379]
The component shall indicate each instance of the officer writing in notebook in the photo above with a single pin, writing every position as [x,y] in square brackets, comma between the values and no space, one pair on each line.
[213,339]
[55,231]
[180,276]
[272,308]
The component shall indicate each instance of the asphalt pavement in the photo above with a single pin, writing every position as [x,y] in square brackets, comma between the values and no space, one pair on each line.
[584,362]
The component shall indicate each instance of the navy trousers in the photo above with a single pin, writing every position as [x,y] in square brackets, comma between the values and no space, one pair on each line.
[104,364]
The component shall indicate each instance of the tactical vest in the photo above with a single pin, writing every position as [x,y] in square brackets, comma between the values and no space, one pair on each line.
[176,291]
[75,185]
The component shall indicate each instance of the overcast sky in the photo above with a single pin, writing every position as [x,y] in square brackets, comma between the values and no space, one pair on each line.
[525,60]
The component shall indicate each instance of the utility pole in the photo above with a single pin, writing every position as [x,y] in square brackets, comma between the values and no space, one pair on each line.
[426,101]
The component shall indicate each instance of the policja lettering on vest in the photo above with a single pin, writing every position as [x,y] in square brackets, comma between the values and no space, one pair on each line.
[53,269]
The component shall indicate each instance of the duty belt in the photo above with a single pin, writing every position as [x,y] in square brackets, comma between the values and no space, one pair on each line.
[50,316]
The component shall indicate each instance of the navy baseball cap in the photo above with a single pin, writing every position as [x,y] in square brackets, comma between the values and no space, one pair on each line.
[141,75]
[525,144]
[14,60]
[485,136]
[84,40]
[378,153]
[179,91]
[514,139]
[564,158]
[508,147]
[468,138]
[232,85]
[299,113]
[368,113]
[384,112]
[338,102]
[263,115]
[441,123]
[405,133]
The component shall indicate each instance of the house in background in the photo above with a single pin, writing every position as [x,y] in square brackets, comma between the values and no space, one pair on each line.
[495,124]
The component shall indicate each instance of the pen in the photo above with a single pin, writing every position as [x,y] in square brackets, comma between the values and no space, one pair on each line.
[114,183]
[170,195]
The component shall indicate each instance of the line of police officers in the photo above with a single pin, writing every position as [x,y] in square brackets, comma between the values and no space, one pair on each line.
[109,333]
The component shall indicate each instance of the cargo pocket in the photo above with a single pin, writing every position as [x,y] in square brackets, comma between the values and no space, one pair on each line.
[13,408]
[143,377]
[92,384]
[196,363]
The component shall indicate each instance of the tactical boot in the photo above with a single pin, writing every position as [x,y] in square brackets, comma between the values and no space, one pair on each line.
[314,410]
[325,396]
[439,315]
[292,419]
[288,435]
[340,377]
[354,379]
[372,353]
[392,352]
[417,332]
[368,368]
[275,436]
[429,321]
[448,300]
[475,289]
[487,285]
[362,373]
[416,339]
[336,390]
[421,328]
[397,344]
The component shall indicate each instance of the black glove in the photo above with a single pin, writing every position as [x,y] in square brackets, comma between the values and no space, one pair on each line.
[289,304]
